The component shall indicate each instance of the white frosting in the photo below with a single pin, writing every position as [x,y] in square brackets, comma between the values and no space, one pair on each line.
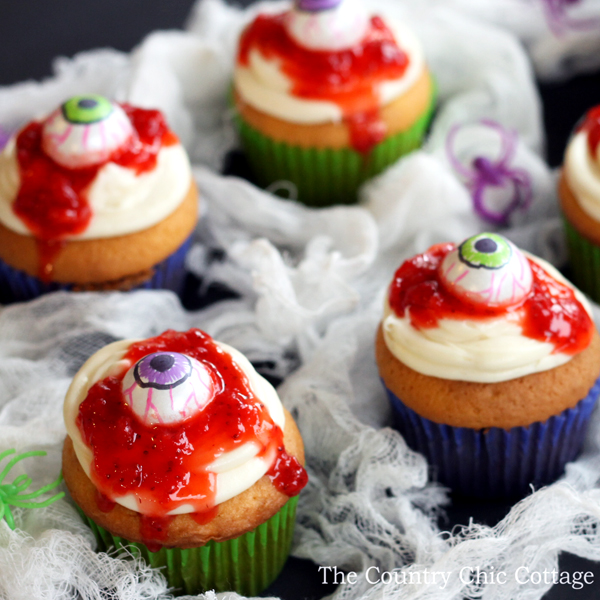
[236,471]
[265,87]
[334,29]
[122,202]
[582,171]
[485,351]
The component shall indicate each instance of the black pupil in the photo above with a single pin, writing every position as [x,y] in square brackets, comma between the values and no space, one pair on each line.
[87,103]
[162,362]
[486,245]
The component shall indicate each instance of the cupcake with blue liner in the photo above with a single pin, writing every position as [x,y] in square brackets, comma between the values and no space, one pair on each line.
[328,95]
[490,359]
[180,452]
[96,196]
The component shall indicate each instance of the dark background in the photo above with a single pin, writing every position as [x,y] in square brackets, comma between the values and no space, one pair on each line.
[33,32]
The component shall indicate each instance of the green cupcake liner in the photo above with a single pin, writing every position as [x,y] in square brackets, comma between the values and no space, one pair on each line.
[247,564]
[585,262]
[323,176]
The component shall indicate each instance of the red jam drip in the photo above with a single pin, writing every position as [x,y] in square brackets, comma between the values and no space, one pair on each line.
[165,465]
[591,125]
[348,78]
[202,518]
[550,313]
[154,530]
[287,474]
[52,199]
[104,503]
[48,250]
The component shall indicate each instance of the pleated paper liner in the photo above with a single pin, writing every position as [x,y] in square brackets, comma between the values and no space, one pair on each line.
[497,463]
[585,262]
[247,564]
[18,286]
[324,177]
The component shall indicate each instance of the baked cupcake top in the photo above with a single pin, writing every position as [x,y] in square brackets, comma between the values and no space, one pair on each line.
[327,61]
[91,169]
[582,163]
[177,424]
[484,312]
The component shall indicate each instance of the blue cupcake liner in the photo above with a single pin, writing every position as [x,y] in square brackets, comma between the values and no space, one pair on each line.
[18,286]
[494,462]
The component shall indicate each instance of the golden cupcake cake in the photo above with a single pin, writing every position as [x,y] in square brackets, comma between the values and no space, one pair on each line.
[490,359]
[95,196]
[579,192]
[327,95]
[180,451]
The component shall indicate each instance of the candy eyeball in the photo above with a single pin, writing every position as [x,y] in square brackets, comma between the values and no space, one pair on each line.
[487,269]
[85,131]
[167,387]
[327,24]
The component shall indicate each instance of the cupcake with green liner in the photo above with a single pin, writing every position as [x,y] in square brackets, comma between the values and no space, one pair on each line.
[179,451]
[491,362]
[327,96]
[579,192]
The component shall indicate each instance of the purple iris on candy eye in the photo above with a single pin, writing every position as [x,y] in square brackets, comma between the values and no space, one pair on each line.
[162,370]
[484,174]
[316,5]
[559,20]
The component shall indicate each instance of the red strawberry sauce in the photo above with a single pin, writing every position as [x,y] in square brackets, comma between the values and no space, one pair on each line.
[591,124]
[550,313]
[348,78]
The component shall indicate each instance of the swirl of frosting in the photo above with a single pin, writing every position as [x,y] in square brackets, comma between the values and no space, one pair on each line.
[176,408]
[325,66]
[92,169]
[582,164]
[483,312]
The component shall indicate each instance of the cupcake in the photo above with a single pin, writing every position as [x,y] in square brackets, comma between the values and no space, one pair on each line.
[491,361]
[579,192]
[96,196]
[180,451]
[327,96]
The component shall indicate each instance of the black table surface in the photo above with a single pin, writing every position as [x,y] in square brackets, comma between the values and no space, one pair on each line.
[34,32]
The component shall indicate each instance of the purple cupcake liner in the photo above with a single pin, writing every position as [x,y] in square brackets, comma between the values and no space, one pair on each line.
[494,462]
[18,286]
